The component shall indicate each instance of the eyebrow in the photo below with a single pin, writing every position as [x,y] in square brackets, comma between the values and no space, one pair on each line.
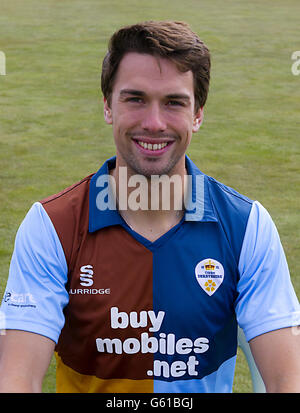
[181,96]
[140,93]
[132,92]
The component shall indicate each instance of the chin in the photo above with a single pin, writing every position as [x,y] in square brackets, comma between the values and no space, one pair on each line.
[150,169]
[150,166]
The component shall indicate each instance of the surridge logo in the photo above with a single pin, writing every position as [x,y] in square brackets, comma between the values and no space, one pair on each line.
[87,280]
[86,275]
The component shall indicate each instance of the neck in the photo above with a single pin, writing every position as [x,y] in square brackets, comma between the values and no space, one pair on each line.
[150,206]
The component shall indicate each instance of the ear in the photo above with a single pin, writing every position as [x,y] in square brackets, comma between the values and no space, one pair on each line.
[107,113]
[198,119]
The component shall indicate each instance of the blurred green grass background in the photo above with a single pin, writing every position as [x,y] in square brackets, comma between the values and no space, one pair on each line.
[52,131]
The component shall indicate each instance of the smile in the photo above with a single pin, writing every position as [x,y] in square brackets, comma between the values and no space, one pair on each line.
[152,147]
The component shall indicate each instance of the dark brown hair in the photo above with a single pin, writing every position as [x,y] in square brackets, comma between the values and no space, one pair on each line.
[168,39]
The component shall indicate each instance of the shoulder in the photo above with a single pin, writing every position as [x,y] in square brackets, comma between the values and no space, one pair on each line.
[231,211]
[74,192]
[231,207]
[69,201]
[217,193]
[220,191]
[261,234]
[68,211]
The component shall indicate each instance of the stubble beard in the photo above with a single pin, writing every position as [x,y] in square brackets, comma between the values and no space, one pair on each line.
[135,167]
[150,165]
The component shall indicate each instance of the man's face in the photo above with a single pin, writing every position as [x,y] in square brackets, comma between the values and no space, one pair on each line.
[153,115]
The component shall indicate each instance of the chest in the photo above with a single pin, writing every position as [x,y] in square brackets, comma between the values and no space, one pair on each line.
[131,304]
[190,279]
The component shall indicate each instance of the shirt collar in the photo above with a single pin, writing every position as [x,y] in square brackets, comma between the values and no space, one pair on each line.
[103,212]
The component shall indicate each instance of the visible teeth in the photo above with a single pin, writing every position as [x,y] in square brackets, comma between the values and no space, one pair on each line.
[154,147]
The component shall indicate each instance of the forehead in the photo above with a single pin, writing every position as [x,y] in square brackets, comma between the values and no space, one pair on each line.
[152,74]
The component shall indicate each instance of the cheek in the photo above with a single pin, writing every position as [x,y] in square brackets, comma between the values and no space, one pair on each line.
[187,133]
[188,138]
[120,123]
[182,119]
[184,128]
[126,121]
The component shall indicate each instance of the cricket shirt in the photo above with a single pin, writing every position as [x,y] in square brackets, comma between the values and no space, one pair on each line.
[130,315]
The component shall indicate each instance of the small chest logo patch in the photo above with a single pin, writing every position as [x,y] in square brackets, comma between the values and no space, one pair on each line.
[210,275]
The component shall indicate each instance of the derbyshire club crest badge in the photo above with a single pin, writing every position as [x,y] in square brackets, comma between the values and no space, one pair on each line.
[209,274]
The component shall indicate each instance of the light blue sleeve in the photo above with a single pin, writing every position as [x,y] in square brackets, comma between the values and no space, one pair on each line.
[266,300]
[35,294]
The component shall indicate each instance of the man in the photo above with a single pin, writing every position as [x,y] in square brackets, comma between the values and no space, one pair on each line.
[137,292]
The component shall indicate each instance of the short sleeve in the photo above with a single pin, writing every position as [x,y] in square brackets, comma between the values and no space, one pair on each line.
[266,299]
[35,294]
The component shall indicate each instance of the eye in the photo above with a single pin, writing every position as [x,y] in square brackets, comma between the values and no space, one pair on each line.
[134,99]
[175,103]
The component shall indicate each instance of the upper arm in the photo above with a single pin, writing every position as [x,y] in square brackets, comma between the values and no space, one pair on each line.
[277,356]
[35,293]
[266,299]
[267,307]
[24,359]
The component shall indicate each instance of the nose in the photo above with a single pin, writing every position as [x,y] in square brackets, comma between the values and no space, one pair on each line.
[153,119]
